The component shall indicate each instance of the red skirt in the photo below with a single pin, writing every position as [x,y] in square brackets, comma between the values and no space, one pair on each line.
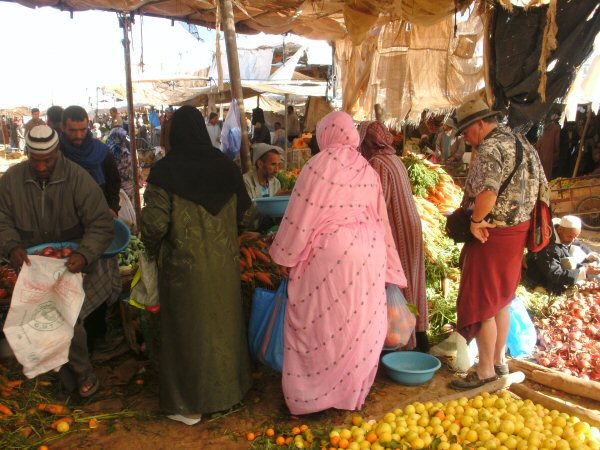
[491,273]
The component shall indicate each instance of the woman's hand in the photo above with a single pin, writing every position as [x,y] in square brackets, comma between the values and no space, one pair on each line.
[480,230]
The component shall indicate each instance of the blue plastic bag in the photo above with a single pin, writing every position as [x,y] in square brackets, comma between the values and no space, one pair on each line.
[265,333]
[522,335]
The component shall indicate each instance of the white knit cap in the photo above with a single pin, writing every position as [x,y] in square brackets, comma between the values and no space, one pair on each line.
[258,150]
[41,139]
[570,222]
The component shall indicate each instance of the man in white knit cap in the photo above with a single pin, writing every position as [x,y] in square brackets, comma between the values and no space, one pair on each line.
[49,199]
[565,261]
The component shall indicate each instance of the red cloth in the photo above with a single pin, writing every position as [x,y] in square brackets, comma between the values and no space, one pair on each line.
[491,273]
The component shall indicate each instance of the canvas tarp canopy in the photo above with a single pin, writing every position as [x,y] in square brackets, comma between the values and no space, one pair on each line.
[203,96]
[408,68]
[530,58]
[327,19]
[354,20]
[161,92]
[19,111]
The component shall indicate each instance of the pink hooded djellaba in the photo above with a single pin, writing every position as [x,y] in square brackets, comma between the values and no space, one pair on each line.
[336,238]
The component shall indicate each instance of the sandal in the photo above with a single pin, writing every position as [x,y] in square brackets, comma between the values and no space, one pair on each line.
[471,381]
[89,385]
[501,369]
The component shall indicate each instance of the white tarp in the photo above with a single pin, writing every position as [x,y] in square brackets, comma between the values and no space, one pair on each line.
[586,88]
[255,64]
[286,71]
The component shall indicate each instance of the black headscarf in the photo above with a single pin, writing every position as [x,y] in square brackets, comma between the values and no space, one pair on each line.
[197,171]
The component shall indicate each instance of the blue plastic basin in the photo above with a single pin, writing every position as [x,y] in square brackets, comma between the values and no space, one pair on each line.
[411,368]
[118,244]
[57,245]
[121,240]
[272,206]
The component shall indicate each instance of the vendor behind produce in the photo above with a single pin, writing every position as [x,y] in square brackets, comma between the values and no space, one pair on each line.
[262,182]
[565,261]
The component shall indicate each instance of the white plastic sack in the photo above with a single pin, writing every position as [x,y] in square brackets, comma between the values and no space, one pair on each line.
[455,346]
[44,308]
[126,210]
[231,134]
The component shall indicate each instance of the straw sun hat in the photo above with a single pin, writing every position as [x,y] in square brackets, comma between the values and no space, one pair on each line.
[471,111]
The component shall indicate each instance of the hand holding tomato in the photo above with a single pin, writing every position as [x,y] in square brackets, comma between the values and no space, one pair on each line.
[18,256]
[76,262]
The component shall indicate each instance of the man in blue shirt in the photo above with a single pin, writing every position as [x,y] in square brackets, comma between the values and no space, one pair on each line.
[155,124]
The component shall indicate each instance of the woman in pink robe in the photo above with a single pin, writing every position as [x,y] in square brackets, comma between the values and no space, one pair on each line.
[336,240]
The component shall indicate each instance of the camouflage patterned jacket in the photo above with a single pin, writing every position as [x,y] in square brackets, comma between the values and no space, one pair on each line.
[493,164]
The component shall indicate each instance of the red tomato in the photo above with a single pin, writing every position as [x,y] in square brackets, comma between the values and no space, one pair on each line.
[48,251]
[66,252]
[3,293]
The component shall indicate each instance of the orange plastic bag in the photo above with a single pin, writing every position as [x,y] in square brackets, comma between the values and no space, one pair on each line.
[401,320]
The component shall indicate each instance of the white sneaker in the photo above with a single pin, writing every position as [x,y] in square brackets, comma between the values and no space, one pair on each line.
[188,420]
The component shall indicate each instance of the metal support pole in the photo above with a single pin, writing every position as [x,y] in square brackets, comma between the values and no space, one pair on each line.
[125,23]
[227,20]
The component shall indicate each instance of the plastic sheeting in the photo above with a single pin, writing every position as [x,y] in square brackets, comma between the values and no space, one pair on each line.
[517,38]
[255,64]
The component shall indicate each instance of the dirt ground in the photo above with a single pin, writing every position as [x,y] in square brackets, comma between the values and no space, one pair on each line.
[121,369]
[263,407]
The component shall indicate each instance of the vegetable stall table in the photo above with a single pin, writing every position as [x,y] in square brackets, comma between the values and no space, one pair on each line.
[9,157]
[579,196]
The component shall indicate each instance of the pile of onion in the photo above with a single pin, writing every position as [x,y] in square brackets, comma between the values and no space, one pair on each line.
[570,337]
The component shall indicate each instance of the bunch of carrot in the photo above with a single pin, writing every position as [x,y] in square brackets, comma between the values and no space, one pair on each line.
[255,263]
[447,195]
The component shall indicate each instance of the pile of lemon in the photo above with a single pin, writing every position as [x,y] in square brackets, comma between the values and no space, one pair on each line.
[488,421]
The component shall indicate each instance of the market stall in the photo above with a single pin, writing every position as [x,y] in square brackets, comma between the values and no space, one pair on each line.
[9,157]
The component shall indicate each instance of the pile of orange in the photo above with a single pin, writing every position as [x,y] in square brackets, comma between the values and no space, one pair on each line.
[301,436]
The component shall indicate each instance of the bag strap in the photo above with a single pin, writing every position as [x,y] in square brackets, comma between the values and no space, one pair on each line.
[518,161]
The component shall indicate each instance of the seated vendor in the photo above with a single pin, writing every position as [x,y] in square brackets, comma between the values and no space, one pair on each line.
[262,182]
[565,260]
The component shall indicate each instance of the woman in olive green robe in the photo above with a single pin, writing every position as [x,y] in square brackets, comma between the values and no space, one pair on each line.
[194,199]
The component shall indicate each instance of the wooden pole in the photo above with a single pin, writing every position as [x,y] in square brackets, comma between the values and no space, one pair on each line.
[582,141]
[228,22]
[378,112]
[557,380]
[125,23]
